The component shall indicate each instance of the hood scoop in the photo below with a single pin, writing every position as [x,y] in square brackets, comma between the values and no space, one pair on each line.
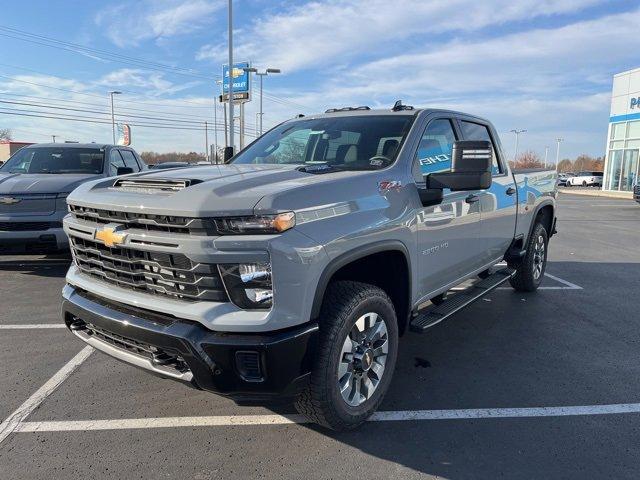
[154,185]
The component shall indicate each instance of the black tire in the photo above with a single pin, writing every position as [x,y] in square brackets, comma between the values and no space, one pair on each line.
[528,277]
[344,303]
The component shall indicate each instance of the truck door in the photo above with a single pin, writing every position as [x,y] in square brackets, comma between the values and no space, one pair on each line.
[448,233]
[497,204]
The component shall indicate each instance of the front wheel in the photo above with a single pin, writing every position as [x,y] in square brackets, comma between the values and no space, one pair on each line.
[530,272]
[355,358]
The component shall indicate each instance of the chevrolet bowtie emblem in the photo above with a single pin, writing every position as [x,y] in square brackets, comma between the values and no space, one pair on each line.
[110,237]
[9,200]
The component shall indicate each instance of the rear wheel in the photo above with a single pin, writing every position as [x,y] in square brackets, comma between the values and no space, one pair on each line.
[530,272]
[355,358]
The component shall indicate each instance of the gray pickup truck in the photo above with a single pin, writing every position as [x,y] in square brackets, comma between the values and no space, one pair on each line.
[35,182]
[292,271]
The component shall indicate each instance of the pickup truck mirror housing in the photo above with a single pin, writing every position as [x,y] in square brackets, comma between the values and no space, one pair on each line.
[470,168]
[124,171]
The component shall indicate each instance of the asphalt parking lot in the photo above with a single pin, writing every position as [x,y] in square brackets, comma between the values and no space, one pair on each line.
[542,385]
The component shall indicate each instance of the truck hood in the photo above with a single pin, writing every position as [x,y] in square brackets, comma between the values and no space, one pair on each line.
[212,190]
[32,183]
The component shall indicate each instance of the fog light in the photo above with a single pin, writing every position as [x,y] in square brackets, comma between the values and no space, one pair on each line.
[248,284]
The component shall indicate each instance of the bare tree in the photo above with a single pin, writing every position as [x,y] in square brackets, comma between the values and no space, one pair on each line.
[565,165]
[6,134]
[528,159]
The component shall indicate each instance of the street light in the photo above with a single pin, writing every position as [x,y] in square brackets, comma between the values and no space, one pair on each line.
[261,75]
[113,122]
[546,155]
[558,151]
[517,132]
[230,148]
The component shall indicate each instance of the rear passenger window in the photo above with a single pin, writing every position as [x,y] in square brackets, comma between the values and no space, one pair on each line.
[130,160]
[475,131]
[436,144]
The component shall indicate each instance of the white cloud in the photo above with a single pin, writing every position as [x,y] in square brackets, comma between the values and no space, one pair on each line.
[131,23]
[332,32]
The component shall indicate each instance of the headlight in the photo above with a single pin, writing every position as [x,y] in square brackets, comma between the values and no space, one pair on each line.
[248,284]
[256,224]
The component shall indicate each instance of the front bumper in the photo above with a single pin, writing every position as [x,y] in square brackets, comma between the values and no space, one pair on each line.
[245,367]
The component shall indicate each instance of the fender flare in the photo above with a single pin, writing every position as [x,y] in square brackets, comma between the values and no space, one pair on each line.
[535,213]
[351,256]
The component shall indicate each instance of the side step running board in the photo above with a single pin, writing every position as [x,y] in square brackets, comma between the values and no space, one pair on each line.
[434,315]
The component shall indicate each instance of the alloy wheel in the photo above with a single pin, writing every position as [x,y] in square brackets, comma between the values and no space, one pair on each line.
[363,358]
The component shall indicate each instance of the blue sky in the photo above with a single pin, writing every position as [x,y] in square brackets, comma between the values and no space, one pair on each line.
[542,65]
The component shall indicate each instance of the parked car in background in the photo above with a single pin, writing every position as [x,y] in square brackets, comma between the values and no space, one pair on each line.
[563,177]
[165,165]
[585,179]
[35,182]
[636,192]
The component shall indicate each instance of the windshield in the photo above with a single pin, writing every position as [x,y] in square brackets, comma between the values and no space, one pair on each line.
[351,142]
[55,160]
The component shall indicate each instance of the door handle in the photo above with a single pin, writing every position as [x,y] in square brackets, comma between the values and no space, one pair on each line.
[510,191]
[472,198]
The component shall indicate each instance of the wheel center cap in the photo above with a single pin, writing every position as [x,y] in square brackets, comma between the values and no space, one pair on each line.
[366,360]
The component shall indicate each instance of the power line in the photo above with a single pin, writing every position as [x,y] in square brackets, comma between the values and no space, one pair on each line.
[85,119]
[98,53]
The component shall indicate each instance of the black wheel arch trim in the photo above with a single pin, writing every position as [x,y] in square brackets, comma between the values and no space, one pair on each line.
[542,205]
[351,256]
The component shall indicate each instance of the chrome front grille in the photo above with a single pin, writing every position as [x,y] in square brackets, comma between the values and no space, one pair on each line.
[166,274]
[146,221]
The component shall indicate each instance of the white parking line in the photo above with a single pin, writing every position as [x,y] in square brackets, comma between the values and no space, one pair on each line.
[390,416]
[28,326]
[569,285]
[23,411]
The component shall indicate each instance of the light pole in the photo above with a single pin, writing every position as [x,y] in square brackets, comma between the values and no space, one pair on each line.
[517,132]
[215,130]
[559,140]
[546,155]
[206,141]
[230,72]
[113,121]
[261,75]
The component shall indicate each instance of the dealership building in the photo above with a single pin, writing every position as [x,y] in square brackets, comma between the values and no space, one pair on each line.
[623,144]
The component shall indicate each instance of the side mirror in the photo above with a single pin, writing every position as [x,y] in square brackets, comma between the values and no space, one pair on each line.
[124,171]
[470,168]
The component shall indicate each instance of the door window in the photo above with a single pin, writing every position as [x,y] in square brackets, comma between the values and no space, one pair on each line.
[115,162]
[475,131]
[130,160]
[436,144]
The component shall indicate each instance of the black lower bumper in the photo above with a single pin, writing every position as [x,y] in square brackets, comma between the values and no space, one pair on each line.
[245,367]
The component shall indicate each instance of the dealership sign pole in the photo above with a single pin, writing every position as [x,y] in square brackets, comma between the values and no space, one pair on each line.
[230,82]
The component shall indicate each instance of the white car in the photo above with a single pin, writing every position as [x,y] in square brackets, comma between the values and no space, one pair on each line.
[585,179]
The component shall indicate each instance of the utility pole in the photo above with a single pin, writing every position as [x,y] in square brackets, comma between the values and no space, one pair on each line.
[230,71]
[558,152]
[546,155]
[113,121]
[261,75]
[215,130]
[517,132]
[206,141]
